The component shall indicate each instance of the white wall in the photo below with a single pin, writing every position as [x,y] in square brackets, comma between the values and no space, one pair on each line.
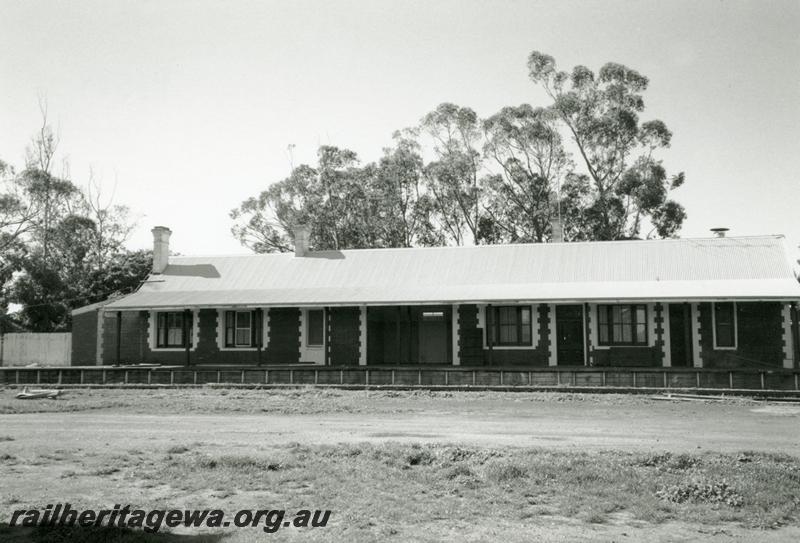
[43,349]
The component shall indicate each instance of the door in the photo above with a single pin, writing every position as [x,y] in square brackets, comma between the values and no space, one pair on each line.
[680,335]
[433,337]
[569,335]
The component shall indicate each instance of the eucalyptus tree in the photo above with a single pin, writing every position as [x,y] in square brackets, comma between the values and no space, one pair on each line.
[526,147]
[627,185]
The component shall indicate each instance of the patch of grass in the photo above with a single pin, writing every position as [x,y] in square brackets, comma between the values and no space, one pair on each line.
[6,438]
[177,449]
[505,471]
[397,482]
[701,492]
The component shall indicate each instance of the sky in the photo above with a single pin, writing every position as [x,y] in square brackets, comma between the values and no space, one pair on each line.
[183,109]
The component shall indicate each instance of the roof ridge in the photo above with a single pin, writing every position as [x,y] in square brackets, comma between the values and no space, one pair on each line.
[492,246]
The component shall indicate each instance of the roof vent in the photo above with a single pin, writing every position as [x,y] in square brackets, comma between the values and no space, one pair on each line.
[720,231]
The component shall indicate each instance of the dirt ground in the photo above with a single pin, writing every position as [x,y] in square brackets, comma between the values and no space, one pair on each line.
[88,429]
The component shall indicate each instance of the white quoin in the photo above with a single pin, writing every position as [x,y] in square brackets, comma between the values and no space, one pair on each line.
[302,233]
[161,236]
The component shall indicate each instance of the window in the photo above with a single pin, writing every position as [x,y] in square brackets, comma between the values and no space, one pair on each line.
[315,328]
[239,328]
[511,325]
[622,324]
[724,325]
[171,329]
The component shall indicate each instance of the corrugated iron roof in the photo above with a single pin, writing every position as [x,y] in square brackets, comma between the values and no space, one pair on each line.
[710,268]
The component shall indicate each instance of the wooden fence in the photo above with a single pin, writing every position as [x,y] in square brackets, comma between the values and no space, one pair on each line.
[22,349]
[465,378]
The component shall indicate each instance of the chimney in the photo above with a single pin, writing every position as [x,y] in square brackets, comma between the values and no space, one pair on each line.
[301,234]
[720,232]
[160,248]
[556,230]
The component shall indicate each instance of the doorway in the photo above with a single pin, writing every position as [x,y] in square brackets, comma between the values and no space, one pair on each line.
[433,337]
[570,341]
[680,335]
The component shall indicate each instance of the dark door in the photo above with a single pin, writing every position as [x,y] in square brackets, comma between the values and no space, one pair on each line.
[680,335]
[569,332]
[433,337]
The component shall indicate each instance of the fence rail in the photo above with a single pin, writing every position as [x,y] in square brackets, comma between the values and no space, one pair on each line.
[495,378]
[21,349]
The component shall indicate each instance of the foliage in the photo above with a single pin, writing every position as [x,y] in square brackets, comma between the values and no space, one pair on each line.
[61,247]
[627,184]
[522,199]
[457,179]
[347,206]
[452,177]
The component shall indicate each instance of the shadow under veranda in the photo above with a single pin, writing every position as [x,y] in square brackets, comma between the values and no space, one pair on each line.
[97,534]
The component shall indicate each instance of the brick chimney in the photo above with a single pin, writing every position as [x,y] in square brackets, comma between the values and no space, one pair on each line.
[160,248]
[302,233]
[556,230]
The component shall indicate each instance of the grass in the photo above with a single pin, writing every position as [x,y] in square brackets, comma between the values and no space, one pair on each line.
[405,485]
[298,401]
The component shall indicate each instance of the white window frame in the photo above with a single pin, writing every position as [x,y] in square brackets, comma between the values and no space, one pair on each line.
[237,329]
[534,328]
[221,329]
[153,330]
[735,327]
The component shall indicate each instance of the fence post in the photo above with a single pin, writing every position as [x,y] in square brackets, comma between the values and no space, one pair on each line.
[392,376]
[291,377]
[103,377]
[341,377]
[634,379]
[419,377]
[171,377]
[60,371]
[665,380]
[366,377]
[242,376]
[126,377]
[38,377]
[501,377]
[697,374]
[473,378]
[316,377]
[763,384]
[446,378]
[730,379]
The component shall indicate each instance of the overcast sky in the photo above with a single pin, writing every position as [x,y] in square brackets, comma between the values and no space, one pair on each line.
[189,106]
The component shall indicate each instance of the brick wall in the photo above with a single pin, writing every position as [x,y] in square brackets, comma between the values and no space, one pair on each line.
[472,352]
[344,336]
[284,336]
[760,337]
